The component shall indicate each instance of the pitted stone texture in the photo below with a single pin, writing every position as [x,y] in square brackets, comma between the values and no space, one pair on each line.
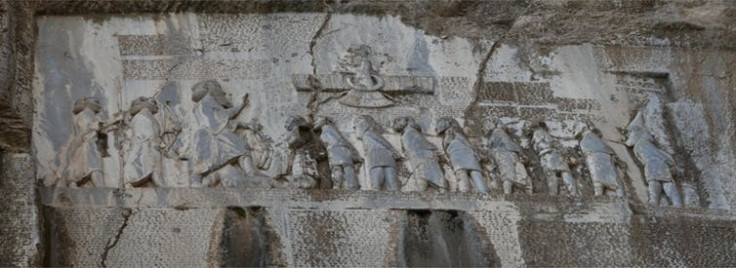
[502,225]
[150,237]
[350,238]
[555,243]
[683,241]
[19,235]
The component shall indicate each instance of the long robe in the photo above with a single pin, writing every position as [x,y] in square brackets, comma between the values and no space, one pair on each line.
[506,153]
[460,151]
[215,142]
[143,157]
[84,158]
[551,159]
[656,161]
[378,151]
[422,156]
[339,151]
[599,158]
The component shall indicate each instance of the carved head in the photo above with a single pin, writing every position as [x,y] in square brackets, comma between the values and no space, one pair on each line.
[364,123]
[322,121]
[214,89]
[489,124]
[141,103]
[295,122]
[445,123]
[86,103]
[400,123]
[636,134]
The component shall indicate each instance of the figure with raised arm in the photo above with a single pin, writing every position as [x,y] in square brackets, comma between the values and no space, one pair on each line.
[217,149]
[85,158]
[143,157]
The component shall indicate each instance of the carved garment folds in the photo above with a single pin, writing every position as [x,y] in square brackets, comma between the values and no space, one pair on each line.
[216,146]
[657,163]
[380,155]
[342,156]
[506,152]
[143,158]
[423,155]
[462,155]
[600,160]
[85,157]
[552,161]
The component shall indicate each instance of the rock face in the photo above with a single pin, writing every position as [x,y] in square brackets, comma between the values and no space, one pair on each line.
[363,133]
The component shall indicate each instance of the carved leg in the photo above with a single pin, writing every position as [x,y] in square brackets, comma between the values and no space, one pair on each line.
[392,181]
[338,177]
[670,189]
[529,187]
[421,183]
[377,176]
[96,179]
[598,189]
[479,182]
[553,183]
[246,163]
[463,184]
[508,187]
[655,192]
[158,178]
[570,183]
[351,179]
[494,184]
[196,180]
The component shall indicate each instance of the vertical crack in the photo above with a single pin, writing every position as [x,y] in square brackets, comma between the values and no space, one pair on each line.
[480,79]
[113,241]
[313,102]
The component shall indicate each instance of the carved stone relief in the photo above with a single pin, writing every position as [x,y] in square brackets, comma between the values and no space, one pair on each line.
[337,113]
[658,163]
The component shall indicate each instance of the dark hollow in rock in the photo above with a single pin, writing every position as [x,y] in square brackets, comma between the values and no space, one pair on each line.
[433,238]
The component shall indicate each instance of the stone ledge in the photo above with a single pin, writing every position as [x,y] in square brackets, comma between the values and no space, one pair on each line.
[537,207]
[605,209]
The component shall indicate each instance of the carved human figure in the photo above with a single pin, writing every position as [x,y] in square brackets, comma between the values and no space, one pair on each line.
[461,155]
[657,165]
[506,153]
[600,159]
[364,84]
[85,158]
[143,162]
[552,160]
[380,155]
[217,149]
[423,155]
[304,151]
[341,155]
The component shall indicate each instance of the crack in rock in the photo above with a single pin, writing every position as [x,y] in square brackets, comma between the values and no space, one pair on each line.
[113,241]
[480,79]
[313,102]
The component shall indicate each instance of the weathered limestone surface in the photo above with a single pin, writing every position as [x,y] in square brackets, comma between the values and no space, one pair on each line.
[367,133]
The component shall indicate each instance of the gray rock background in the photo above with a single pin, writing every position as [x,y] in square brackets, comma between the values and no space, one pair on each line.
[602,51]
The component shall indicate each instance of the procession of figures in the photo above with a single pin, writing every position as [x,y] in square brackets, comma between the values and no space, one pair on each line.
[216,149]
[315,153]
